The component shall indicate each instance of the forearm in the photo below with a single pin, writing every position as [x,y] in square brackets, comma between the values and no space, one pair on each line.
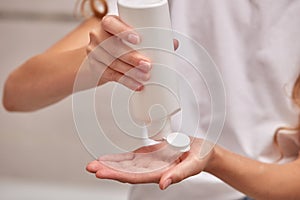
[42,80]
[256,179]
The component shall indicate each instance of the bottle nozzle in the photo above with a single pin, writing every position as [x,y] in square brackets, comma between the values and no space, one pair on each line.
[159,129]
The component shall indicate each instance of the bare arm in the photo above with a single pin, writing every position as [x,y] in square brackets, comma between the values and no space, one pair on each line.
[49,77]
[256,179]
[38,82]
[42,80]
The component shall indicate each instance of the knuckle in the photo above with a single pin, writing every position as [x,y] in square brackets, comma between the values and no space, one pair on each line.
[133,58]
[114,47]
[92,62]
[89,49]
[93,35]
[96,53]
[178,178]
[107,21]
[113,75]
[114,65]
[114,51]
[99,174]
[92,55]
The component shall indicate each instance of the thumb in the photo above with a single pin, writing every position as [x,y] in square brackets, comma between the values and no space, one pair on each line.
[188,167]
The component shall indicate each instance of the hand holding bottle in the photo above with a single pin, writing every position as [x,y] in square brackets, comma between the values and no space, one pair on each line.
[129,69]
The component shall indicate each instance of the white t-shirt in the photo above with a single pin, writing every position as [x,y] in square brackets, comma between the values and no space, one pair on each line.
[256,46]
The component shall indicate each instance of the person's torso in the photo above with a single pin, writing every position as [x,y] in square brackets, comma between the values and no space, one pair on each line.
[256,46]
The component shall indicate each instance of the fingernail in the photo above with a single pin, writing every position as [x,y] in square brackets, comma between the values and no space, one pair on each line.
[167,183]
[133,38]
[138,87]
[145,66]
[142,76]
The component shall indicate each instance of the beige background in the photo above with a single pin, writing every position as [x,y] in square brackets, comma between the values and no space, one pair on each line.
[41,156]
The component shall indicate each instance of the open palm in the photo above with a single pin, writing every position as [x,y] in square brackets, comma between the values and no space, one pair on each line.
[151,164]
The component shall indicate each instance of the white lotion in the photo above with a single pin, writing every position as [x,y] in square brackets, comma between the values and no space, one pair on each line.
[159,99]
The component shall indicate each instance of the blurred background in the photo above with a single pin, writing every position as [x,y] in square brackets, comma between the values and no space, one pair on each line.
[41,156]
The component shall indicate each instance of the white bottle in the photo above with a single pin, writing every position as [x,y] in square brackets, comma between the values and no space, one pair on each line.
[159,99]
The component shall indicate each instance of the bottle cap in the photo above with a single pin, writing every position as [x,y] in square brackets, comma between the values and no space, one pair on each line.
[179,141]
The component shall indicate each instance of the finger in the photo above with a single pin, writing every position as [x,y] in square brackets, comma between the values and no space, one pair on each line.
[183,170]
[130,71]
[99,59]
[102,57]
[132,64]
[131,83]
[137,60]
[176,44]
[125,177]
[133,178]
[117,49]
[112,75]
[93,166]
[117,157]
[115,26]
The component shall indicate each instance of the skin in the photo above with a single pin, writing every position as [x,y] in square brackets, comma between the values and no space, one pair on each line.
[255,179]
[55,70]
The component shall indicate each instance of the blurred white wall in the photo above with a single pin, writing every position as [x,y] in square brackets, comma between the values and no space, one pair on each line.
[41,156]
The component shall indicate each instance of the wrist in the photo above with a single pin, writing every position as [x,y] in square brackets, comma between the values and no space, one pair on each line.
[214,160]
